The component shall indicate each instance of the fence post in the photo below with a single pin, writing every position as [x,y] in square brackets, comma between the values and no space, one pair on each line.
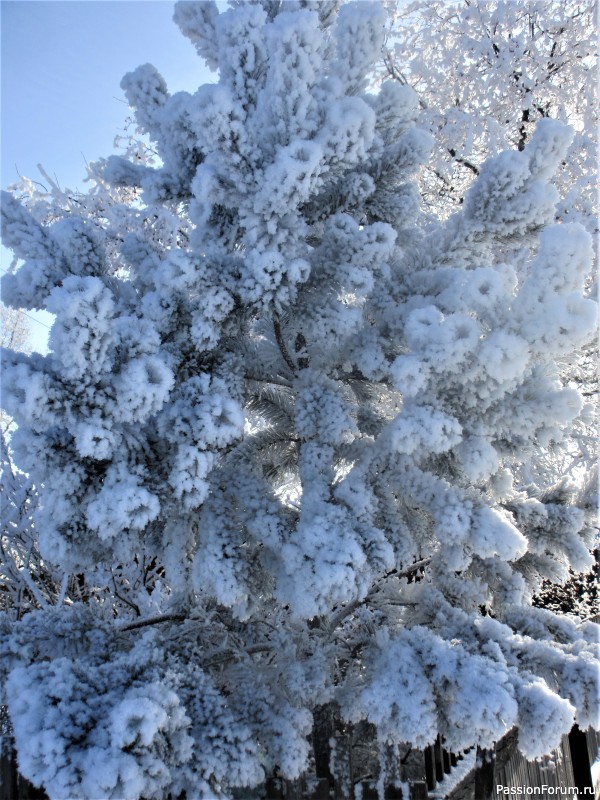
[438,755]
[418,791]
[323,730]
[274,788]
[446,760]
[484,774]
[8,773]
[580,759]
[413,770]
[429,767]
[13,786]
[343,779]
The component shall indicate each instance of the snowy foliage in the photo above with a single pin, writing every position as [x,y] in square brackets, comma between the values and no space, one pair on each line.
[282,427]
[486,73]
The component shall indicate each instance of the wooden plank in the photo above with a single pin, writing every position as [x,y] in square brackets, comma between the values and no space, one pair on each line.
[446,760]
[593,743]
[582,772]
[438,760]
[418,790]
[343,779]
[274,788]
[392,792]
[27,791]
[8,774]
[14,786]
[412,765]
[369,790]
[320,789]
[568,761]
[429,768]
[506,748]
[484,774]
[295,790]
[323,730]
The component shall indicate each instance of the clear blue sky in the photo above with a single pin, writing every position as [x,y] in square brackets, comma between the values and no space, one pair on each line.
[62,62]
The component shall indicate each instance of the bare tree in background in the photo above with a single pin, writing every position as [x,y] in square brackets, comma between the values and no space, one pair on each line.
[15,332]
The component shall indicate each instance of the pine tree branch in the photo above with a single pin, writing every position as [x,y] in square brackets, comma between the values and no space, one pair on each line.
[344,612]
[64,585]
[281,344]
[463,161]
[125,600]
[286,384]
[229,656]
[32,588]
[154,621]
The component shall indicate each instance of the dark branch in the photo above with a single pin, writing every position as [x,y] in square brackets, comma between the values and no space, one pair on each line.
[341,615]
[154,621]
[468,164]
[281,344]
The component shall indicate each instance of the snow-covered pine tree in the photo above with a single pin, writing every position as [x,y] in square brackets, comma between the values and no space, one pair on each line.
[295,400]
[486,73]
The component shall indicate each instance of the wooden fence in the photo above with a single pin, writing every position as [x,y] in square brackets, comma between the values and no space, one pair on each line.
[13,786]
[567,767]
[430,774]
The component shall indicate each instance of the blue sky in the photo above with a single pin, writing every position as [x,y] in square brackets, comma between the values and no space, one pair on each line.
[62,62]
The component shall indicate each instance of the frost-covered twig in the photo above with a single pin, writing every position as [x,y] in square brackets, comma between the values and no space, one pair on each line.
[154,621]
[281,344]
[64,585]
[345,611]
[32,588]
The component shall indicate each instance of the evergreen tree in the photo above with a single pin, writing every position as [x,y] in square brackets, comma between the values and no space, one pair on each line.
[485,74]
[303,410]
